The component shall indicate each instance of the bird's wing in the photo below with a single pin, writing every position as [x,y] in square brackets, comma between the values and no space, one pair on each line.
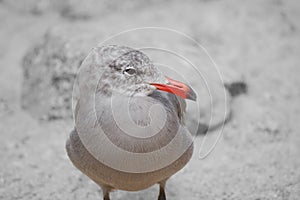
[76,109]
[171,101]
[179,105]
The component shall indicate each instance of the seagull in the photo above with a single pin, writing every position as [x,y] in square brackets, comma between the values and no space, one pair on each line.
[129,129]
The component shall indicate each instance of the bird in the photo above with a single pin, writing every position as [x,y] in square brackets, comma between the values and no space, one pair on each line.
[129,131]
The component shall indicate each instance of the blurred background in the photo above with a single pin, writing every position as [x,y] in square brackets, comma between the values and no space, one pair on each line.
[255,44]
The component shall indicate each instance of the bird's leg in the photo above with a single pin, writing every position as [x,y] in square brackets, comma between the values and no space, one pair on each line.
[106,196]
[162,194]
[105,192]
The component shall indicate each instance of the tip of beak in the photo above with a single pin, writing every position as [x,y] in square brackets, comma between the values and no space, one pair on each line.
[191,94]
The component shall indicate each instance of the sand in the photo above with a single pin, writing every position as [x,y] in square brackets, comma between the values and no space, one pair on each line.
[257,156]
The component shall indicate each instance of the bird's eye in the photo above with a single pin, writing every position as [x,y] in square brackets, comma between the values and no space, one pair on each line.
[130,71]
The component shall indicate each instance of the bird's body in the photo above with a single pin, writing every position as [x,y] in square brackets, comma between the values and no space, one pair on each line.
[114,179]
[131,137]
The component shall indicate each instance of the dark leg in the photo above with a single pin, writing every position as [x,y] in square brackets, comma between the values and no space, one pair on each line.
[105,192]
[162,194]
[106,196]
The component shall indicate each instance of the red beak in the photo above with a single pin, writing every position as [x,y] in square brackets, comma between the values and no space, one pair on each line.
[177,88]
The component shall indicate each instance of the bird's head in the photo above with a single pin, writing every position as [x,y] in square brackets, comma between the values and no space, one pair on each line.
[129,72]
